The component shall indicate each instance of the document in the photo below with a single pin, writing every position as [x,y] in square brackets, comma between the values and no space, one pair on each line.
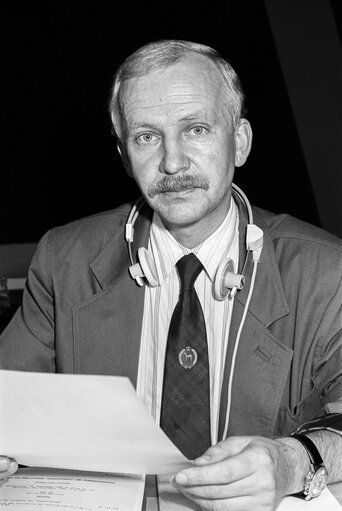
[51,490]
[81,422]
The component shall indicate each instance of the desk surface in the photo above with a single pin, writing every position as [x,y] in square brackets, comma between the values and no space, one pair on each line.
[336,490]
[152,503]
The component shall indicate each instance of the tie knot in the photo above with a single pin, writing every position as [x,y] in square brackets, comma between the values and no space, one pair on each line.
[189,267]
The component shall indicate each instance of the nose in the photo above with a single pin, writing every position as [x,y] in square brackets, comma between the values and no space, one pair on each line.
[174,158]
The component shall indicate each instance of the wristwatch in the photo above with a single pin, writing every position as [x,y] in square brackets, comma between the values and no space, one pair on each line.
[316,479]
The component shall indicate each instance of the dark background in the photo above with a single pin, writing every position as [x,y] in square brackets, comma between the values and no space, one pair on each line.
[58,157]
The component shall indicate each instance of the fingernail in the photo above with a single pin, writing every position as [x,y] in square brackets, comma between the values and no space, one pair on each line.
[181,478]
[13,465]
[202,460]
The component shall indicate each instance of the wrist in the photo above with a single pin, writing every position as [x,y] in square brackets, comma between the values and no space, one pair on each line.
[317,477]
[296,464]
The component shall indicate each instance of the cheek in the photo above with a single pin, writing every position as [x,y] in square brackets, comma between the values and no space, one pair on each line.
[140,171]
[224,154]
[220,153]
[143,166]
[219,165]
[141,179]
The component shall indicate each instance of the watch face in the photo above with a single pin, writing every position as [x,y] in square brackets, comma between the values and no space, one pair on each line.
[318,482]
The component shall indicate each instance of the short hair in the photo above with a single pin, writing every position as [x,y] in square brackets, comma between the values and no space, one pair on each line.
[163,54]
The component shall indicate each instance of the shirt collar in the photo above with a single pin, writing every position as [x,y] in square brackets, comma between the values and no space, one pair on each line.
[167,251]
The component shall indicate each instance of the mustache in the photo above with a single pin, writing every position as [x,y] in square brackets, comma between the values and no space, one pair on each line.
[177,184]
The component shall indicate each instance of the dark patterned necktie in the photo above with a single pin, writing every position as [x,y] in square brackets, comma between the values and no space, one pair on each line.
[185,412]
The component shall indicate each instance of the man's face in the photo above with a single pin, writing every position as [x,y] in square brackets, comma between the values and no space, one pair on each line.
[180,144]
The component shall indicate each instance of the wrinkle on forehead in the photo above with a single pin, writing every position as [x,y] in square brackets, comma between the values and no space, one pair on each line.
[190,81]
[172,100]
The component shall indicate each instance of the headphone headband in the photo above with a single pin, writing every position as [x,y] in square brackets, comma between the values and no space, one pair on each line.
[227,282]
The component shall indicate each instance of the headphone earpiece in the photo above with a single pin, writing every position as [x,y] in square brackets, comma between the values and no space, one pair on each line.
[144,268]
[226,281]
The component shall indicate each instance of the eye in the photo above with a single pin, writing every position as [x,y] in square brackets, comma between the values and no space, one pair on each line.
[198,130]
[146,138]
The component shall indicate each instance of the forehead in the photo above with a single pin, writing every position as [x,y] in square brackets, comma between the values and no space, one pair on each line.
[192,84]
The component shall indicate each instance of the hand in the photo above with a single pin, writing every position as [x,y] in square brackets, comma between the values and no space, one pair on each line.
[7,467]
[242,473]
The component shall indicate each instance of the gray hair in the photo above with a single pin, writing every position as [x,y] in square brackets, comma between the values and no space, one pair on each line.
[163,54]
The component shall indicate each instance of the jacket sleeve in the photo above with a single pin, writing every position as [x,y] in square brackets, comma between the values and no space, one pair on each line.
[327,374]
[27,343]
[331,422]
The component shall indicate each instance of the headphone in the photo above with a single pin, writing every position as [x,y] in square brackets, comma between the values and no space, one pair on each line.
[226,282]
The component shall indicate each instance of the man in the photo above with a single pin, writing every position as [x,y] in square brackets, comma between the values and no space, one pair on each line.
[177,112]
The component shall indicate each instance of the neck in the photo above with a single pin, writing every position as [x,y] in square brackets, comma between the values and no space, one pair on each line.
[190,236]
[187,238]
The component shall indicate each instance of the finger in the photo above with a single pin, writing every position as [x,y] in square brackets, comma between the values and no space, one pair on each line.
[7,467]
[250,486]
[13,466]
[229,447]
[244,487]
[223,472]
[242,495]
[4,464]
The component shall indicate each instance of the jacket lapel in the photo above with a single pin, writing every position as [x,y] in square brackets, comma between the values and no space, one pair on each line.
[107,326]
[262,361]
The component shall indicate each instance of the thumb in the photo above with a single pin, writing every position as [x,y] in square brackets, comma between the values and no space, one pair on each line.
[224,449]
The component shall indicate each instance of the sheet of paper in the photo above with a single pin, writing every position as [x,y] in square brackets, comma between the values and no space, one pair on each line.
[50,489]
[171,499]
[81,422]
[325,502]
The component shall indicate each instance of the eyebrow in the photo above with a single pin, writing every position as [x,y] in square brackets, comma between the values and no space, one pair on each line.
[136,126]
[196,116]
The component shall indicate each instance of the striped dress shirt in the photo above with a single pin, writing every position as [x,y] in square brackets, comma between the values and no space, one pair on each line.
[160,302]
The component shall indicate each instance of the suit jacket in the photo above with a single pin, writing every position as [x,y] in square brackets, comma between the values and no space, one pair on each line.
[82,313]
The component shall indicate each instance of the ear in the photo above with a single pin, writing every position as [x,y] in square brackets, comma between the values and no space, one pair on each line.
[243,142]
[122,151]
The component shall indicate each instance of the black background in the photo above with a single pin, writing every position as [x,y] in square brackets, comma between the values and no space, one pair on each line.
[58,158]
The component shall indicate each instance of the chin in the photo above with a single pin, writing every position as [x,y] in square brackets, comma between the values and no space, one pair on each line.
[180,215]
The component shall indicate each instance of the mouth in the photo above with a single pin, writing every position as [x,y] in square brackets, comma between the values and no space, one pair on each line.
[187,189]
[181,184]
